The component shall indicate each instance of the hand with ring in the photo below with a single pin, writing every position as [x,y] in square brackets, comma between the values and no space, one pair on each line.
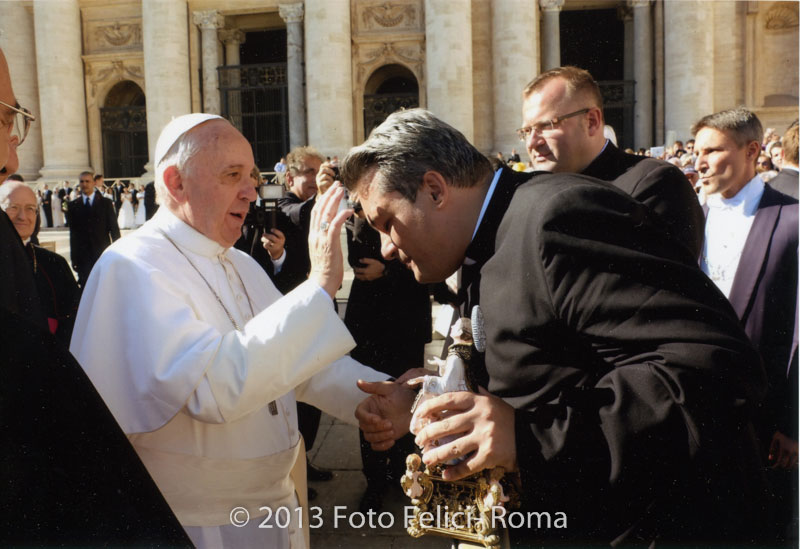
[324,240]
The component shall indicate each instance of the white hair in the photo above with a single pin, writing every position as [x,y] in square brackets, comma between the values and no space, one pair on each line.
[9,187]
[179,155]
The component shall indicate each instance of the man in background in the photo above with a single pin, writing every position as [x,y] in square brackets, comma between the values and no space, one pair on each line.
[787,181]
[562,127]
[750,253]
[92,227]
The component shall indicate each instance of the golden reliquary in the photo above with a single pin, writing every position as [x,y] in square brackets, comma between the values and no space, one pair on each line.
[470,509]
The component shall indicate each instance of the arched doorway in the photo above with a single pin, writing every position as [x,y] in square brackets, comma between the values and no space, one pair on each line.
[123,121]
[390,88]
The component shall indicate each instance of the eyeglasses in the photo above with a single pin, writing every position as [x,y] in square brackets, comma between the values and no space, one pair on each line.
[30,209]
[547,126]
[20,123]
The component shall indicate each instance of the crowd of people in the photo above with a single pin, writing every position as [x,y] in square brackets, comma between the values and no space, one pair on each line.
[639,368]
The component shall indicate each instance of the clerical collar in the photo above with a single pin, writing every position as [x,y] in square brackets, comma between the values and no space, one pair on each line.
[185,235]
[486,201]
[745,200]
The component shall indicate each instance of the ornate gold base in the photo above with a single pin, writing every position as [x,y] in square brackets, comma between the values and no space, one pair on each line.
[465,509]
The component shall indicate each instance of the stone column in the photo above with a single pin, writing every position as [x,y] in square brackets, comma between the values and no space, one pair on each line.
[643,74]
[165,37]
[329,83]
[209,21]
[17,42]
[515,62]
[233,38]
[62,98]
[688,79]
[448,59]
[551,39]
[292,14]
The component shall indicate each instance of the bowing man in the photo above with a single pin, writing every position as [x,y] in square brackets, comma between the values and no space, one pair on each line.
[619,379]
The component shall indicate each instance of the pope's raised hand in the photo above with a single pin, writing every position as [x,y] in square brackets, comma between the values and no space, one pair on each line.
[324,240]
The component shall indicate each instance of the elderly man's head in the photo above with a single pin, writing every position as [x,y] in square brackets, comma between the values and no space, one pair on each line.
[203,175]
[562,120]
[19,202]
[421,184]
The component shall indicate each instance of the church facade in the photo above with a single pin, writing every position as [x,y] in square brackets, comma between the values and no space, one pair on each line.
[104,76]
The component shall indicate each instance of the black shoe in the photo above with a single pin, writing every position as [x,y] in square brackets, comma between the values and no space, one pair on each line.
[372,500]
[316,475]
[312,494]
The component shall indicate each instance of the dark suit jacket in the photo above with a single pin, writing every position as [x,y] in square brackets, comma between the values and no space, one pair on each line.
[150,205]
[389,317]
[68,473]
[18,292]
[786,182]
[629,372]
[58,291]
[298,264]
[660,186]
[91,230]
[764,296]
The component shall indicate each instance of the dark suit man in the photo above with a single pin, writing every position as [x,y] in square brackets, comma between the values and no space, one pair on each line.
[562,129]
[47,205]
[751,254]
[150,205]
[787,181]
[117,189]
[92,227]
[619,377]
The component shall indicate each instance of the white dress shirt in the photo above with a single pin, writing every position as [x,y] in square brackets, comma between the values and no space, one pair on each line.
[192,392]
[727,226]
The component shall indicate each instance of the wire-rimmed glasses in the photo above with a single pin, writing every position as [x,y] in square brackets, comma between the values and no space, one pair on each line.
[19,119]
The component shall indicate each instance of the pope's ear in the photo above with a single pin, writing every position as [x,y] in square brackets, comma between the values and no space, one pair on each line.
[435,187]
[174,183]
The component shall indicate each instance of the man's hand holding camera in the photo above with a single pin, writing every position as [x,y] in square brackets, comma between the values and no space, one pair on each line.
[273,242]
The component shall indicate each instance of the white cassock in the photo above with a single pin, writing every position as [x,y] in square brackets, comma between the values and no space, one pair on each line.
[192,393]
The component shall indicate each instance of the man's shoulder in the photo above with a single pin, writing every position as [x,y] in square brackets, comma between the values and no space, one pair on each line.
[545,191]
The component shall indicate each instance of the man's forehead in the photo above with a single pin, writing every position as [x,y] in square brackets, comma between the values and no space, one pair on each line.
[22,194]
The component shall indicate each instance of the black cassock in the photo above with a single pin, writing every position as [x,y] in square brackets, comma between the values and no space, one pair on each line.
[631,376]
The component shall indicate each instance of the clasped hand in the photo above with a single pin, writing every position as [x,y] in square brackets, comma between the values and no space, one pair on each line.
[482,423]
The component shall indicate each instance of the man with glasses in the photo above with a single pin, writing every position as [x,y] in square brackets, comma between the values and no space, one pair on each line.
[92,227]
[562,113]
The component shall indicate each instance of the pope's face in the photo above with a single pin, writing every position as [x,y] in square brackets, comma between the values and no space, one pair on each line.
[723,166]
[415,233]
[217,184]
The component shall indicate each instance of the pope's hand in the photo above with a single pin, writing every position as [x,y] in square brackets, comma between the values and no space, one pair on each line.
[385,415]
[484,425]
[324,240]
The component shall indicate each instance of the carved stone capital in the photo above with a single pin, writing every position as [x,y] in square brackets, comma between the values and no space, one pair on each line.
[639,3]
[291,13]
[208,20]
[551,5]
[782,16]
[231,36]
